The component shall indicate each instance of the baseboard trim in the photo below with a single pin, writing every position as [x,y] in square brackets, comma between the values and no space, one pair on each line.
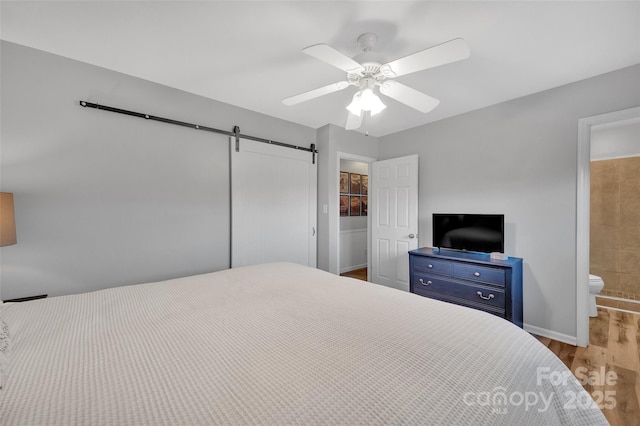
[618,309]
[622,299]
[353,231]
[352,268]
[572,340]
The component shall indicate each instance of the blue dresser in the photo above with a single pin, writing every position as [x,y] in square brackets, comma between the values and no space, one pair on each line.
[469,279]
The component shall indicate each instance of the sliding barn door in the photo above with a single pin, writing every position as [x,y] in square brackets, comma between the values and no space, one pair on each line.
[273,204]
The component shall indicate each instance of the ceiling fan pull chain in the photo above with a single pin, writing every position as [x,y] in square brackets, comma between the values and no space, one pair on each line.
[365,119]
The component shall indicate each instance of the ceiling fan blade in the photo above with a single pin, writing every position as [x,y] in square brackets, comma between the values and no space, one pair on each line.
[447,52]
[293,100]
[328,54]
[354,121]
[408,96]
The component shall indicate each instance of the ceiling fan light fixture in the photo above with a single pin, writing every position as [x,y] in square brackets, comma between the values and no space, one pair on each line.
[366,100]
[354,107]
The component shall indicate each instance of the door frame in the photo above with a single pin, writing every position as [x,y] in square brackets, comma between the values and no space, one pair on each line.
[336,214]
[583,206]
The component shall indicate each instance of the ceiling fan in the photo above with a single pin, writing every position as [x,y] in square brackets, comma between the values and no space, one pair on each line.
[369,70]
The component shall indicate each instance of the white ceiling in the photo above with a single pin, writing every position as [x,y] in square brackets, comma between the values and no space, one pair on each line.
[249,53]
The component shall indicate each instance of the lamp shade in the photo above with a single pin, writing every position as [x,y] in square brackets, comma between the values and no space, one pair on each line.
[365,100]
[7,220]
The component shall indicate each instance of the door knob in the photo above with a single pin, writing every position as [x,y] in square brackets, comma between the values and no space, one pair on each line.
[412,236]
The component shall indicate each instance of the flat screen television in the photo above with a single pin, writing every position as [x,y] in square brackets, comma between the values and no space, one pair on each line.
[470,232]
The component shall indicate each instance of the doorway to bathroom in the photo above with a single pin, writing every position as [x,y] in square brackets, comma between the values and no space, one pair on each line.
[608,224]
[614,243]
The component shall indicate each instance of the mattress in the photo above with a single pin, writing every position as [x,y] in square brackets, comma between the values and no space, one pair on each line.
[276,344]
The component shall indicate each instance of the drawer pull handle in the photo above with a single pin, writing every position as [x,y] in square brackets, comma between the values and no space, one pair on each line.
[489,297]
[423,283]
[477,274]
[429,266]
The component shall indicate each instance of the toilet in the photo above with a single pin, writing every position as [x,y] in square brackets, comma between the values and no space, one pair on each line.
[595,286]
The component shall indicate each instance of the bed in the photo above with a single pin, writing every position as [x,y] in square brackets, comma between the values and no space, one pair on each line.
[276,344]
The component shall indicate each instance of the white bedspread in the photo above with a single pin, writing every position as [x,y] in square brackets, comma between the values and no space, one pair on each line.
[275,344]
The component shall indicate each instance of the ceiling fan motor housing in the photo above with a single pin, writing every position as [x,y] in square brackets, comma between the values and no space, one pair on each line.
[369,70]
[367,41]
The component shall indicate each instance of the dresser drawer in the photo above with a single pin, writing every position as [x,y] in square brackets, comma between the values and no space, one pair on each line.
[429,285]
[426,284]
[479,273]
[435,266]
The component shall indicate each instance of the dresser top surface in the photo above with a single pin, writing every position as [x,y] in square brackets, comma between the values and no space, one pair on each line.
[465,256]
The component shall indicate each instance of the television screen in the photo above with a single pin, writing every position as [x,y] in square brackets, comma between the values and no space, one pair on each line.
[471,232]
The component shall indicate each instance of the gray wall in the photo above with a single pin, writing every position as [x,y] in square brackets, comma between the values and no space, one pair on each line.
[104,199]
[518,158]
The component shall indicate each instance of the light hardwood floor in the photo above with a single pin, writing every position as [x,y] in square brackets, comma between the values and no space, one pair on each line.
[360,274]
[614,349]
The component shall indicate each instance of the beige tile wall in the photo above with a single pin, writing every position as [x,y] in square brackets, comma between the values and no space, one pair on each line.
[615,225]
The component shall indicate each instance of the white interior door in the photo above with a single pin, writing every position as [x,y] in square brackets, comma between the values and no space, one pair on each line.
[273,205]
[393,196]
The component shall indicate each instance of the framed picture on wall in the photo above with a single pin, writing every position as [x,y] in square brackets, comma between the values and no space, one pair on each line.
[344,182]
[344,205]
[364,205]
[354,205]
[365,184]
[355,184]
